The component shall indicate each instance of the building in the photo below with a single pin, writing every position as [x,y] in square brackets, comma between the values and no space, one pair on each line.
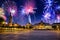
[42,25]
[39,26]
[56,26]
[48,26]
[28,25]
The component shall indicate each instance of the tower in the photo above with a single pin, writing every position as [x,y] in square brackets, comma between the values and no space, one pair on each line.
[10,20]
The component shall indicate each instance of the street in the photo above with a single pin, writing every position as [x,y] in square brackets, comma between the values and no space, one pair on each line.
[32,35]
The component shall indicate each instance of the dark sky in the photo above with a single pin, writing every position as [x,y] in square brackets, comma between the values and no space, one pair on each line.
[39,4]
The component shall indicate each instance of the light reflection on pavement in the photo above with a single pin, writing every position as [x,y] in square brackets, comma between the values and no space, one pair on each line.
[31,35]
[14,31]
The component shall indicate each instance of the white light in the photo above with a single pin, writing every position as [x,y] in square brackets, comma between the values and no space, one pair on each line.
[23,11]
[12,11]
[47,15]
[29,19]
[29,10]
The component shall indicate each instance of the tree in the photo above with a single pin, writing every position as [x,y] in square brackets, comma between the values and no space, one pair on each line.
[1,19]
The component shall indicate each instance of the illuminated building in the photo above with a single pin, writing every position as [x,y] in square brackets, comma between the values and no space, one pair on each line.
[48,26]
[42,25]
[56,25]
[28,25]
[39,26]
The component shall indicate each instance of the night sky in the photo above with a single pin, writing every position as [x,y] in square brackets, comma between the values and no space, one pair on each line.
[22,19]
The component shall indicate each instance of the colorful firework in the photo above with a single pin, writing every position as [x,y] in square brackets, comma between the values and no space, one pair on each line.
[58,7]
[28,8]
[49,13]
[10,7]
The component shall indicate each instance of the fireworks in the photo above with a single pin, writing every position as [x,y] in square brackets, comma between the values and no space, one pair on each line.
[12,11]
[28,11]
[28,8]
[58,14]
[10,6]
[58,7]
[49,13]
[47,16]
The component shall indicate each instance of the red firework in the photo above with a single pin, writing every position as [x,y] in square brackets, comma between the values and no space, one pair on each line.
[29,6]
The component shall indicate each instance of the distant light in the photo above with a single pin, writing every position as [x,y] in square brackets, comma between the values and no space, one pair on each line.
[3,22]
[15,25]
[6,23]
